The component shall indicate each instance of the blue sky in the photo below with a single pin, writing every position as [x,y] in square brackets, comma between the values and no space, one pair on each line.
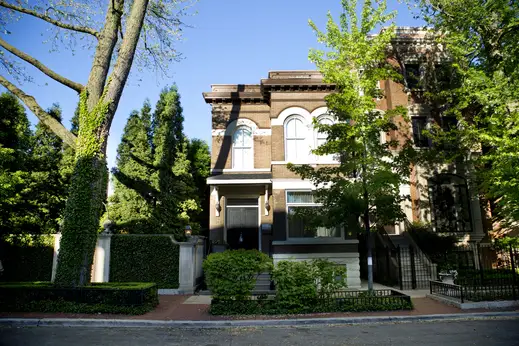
[230,42]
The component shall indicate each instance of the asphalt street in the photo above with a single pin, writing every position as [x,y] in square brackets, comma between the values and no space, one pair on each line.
[488,333]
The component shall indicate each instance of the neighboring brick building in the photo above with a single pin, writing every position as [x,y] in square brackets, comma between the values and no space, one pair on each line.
[257,129]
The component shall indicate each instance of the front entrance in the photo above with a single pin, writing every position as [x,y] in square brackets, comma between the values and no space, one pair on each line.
[242,223]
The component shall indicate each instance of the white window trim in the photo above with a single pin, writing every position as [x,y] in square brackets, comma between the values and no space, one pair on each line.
[251,148]
[306,239]
[305,140]
[328,159]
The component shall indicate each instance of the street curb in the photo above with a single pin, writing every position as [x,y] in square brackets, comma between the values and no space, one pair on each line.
[69,322]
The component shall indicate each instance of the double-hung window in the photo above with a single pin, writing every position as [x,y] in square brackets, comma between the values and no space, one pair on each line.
[296,148]
[242,155]
[322,137]
[299,226]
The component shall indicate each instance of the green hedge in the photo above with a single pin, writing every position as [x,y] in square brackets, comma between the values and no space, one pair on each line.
[350,301]
[152,258]
[115,298]
[27,259]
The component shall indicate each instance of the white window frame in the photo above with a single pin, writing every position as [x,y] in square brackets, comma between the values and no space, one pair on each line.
[250,165]
[306,239]
[326,158]
[304,140]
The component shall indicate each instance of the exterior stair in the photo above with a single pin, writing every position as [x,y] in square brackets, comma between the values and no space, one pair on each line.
[423,271]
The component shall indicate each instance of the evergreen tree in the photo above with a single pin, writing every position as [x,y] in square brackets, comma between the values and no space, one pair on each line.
[69,153]
[176,199]
[200,165]
[130,206]
[15,139]
[32,189]
[154,187]
[49,188]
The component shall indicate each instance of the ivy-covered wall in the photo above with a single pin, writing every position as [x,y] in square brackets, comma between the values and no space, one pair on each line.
[27,259]
[152,258]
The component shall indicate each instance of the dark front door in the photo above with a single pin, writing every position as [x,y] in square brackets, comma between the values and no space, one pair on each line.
[242,223]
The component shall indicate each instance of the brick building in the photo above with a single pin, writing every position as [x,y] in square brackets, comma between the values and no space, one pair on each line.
[257,129]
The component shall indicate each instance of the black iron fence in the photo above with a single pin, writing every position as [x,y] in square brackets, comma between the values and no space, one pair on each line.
[447,290]
[402,267]
[493,275]
[339,301]
[415,269]
[476,293]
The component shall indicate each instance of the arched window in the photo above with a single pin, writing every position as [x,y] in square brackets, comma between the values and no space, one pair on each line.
[242,155]
[322,137]
[450,207]
[295,140]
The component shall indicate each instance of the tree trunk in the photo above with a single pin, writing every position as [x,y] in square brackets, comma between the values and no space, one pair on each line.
[84,206]
[366,219]
[368,246]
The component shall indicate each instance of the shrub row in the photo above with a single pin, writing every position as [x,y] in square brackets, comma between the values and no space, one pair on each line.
[152,258]
[322,304]
[301,287]
[122,298]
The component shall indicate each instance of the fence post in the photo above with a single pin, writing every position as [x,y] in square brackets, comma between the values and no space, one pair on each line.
[399,256]
[462,298]
[514,274]
[413,269]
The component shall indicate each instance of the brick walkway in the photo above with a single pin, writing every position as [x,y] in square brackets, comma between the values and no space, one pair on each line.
[172,308]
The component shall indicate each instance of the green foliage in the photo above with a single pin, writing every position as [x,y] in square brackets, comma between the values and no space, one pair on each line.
[483,44]
[298,283]
[231,275]
[353,301]
[160,175]
[367,180]
[129,208]
[32,190]
[331,277]
[506,243]
[144,259]
[295,283]
[199,157]
[26,258]
[84,206]
[115,298]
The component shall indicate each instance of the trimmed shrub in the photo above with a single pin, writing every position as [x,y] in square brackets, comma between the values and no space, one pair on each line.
[300,283]
[345,301]
[27,259]
[295,284]
[152,258]
[231,274]
[117,298]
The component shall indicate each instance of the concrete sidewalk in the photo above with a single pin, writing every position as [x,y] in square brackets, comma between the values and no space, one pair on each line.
[196,308]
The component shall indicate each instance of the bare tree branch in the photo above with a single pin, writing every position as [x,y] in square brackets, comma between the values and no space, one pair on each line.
[36,63]
[83,29]
[55,126]
[126,55]
[103,55]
